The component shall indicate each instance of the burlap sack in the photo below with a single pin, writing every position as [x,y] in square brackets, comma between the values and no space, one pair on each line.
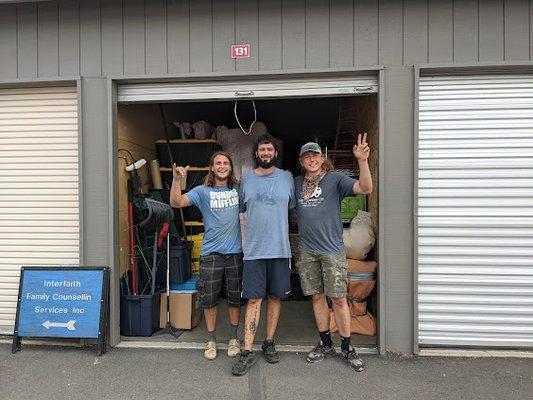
[359,238]
[361,282]
[202,130]
[360,324]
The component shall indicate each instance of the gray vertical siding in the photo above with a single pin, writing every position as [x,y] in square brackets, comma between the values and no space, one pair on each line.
[27,40]
[8,41]
[491,35]
[48,39]
[137,37]
[69,38]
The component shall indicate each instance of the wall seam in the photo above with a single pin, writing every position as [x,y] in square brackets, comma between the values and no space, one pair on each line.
[403,32]
[212,39]
[478,26]
[166,35]
[57,24]
[101,43]
[353,32]
[377,33]
[453,30]
[144,22]
[504,31]
[36,8]
[427,30]
[258,52]
[123,36]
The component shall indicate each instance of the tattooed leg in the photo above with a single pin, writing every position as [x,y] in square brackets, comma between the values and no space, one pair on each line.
[251,321]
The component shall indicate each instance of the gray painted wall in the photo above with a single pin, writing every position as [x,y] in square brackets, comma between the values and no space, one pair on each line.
[136,37]
[140,38]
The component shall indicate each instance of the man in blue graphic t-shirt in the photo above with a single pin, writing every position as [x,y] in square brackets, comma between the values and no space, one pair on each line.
[221,256]
[266,192]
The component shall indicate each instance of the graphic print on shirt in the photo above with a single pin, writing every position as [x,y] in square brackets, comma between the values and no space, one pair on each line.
[314,200]
[267,196]
[223,200]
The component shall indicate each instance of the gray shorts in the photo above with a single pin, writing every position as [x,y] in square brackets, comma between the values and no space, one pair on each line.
[323,273]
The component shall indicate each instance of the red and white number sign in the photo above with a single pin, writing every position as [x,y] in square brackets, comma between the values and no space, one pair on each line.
[240,50]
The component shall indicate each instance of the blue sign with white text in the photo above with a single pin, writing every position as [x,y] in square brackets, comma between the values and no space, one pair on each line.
[63,303]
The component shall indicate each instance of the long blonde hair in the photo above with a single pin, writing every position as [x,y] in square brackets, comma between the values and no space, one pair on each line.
[209,179]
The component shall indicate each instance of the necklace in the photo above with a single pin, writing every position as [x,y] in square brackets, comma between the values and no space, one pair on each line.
[309,185]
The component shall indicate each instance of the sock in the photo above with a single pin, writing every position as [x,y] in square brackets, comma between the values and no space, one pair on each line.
[326,338]
[346,343]
[233,331]
[268,342]
[212,336]
[245,352]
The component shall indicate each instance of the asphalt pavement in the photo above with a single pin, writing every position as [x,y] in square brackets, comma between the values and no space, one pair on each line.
[54,372]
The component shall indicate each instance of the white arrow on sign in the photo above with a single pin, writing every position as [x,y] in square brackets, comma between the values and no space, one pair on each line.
[69,325]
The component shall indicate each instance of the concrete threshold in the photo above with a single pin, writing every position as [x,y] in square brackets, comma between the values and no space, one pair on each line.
[140,344]
[477,353]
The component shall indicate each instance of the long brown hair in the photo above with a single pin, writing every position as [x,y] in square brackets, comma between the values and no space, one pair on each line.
[209,179]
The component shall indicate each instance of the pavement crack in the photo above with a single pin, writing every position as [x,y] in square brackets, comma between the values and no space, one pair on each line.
[256,383]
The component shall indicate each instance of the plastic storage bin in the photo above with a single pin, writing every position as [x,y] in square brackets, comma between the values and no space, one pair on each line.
[139,315]
[189,285]
[196,251]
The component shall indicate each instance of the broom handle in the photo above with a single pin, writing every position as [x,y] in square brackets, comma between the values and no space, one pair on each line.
[172,164]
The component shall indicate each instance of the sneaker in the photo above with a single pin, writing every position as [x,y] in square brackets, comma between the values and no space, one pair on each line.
[210,352]
[270,353]
[243,363]
[353,359]
[320,352]
[234,348]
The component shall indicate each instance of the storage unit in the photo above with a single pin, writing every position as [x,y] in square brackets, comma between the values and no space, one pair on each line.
[294,119]
[475,211]
[39,186]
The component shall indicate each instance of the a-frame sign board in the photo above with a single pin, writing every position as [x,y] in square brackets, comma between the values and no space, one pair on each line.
[63,303]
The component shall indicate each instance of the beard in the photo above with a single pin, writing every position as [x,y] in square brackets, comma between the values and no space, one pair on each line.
[266,164]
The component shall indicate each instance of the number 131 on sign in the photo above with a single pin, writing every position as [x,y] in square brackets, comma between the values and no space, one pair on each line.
[240,50]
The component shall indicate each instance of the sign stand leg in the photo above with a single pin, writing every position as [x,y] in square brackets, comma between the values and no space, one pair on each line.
[17,344]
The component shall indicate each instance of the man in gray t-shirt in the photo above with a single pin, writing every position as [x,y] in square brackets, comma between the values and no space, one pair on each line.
[322,259]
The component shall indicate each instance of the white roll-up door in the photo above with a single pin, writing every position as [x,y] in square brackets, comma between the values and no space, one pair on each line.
[39,193]
[245,88]
[475,211]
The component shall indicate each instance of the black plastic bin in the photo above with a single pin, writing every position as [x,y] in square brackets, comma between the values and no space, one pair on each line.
[180,264]
[139,315]
[195,153]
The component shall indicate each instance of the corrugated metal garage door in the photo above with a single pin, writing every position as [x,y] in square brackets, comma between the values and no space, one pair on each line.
[39,193]
[243,88]
[475,211]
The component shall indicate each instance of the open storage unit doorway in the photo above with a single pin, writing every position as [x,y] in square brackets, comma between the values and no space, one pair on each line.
[328,111]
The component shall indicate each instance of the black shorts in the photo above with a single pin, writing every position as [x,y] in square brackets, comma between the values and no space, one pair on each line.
[213,269]
[269,276]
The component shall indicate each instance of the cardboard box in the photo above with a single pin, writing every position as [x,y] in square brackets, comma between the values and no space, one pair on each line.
[184,307]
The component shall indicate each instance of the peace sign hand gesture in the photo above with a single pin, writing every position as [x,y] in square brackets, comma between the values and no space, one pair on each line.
[361,151]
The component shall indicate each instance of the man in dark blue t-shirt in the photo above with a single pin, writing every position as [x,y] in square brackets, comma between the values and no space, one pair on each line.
[322,259]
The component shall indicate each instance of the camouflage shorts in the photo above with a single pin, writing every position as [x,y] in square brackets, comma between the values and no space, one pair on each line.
[323,273]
